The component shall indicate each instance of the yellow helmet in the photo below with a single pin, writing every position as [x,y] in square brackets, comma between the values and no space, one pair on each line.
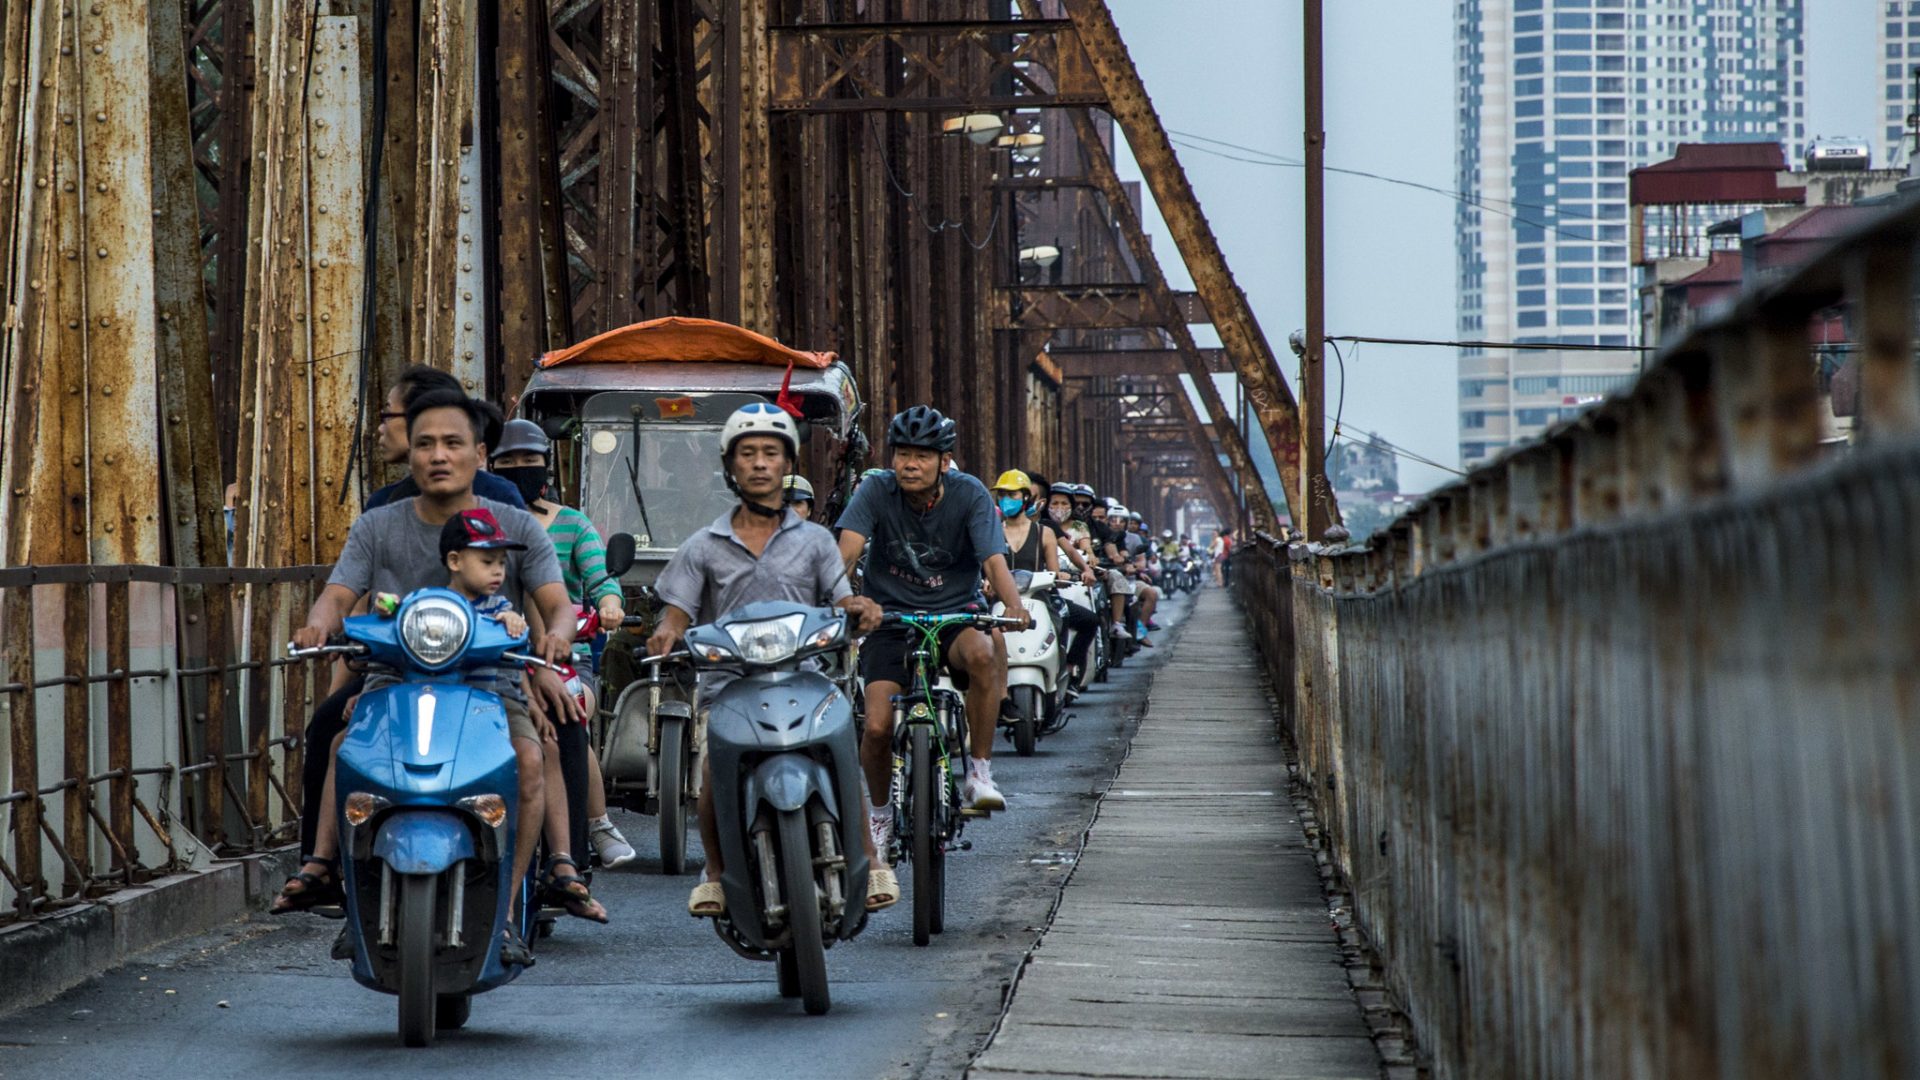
[1012,480]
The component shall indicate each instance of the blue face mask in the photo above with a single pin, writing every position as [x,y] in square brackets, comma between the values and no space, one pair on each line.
[1011,506]
[1033,509]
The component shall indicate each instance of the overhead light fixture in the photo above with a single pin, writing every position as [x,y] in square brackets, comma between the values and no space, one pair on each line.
[978,127]
[1025,142]
[1042,256]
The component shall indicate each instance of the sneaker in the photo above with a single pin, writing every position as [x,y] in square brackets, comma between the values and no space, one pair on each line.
[981,794]
[609,845]
[1120,632]
[1151,625]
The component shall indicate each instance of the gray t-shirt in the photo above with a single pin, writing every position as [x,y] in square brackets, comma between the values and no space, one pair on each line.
[389,549]
[713,572]
[925,561]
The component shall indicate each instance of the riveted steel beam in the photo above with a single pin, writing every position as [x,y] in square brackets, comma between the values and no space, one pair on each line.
[1093,363]
[957,66]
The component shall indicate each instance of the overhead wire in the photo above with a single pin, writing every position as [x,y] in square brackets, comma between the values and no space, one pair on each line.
[1460,197]
[880,147]
[1373,439]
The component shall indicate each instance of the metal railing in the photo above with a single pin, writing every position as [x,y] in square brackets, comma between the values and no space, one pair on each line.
[1617,741]
[149,726]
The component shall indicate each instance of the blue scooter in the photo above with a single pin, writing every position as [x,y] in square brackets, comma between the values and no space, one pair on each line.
[429,802]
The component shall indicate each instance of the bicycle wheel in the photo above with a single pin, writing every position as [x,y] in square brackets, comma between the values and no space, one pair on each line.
[923,845]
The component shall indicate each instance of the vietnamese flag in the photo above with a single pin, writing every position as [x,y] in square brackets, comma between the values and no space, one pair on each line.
[673,408]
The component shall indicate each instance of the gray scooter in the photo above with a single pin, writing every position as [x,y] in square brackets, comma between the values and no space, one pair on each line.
[787,788]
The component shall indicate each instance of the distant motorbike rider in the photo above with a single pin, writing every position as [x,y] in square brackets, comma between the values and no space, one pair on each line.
[759,550]
[798,491]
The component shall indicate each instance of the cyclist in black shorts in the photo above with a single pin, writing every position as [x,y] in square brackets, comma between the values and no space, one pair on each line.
[928,534]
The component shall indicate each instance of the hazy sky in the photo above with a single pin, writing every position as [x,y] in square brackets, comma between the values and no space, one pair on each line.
[1230,70]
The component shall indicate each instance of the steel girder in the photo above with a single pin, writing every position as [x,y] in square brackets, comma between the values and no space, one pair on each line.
[977,65]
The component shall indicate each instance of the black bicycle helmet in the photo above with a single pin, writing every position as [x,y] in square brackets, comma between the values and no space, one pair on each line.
[922,426]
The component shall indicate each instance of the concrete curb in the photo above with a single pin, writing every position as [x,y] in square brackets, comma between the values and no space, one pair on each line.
[65,949]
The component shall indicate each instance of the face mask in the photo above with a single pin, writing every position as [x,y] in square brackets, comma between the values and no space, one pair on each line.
[531,480]
[1059,514]
[1033,509]
[1012,506]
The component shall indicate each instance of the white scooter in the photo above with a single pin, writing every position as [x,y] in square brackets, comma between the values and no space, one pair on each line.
[1034,659]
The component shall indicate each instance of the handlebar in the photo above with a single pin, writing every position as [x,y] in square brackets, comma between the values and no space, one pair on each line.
[977,619]
[530,661]
[349,648]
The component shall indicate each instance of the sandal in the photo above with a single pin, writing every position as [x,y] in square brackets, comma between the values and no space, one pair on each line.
[883,889]
[314,889]
[514,951]
[709,901]
[570,891]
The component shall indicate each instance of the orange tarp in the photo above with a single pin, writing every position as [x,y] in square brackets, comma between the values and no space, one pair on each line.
[675,338]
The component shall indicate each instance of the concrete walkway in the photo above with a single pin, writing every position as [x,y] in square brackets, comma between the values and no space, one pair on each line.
[1193,939]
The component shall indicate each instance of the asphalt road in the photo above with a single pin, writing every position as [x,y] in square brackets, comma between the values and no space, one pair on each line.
[655,993]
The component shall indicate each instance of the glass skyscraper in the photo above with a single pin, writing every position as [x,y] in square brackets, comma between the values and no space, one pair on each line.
[1900,55]
[1557,101]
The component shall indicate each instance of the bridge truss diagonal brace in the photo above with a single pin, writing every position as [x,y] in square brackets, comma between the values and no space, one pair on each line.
[1232,315]
[1100,167]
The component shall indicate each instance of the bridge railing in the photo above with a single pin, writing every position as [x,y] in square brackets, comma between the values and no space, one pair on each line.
[1616,742]
[149,725]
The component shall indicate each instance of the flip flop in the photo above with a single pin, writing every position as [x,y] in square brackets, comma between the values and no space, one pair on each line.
[708,901]
[883,889]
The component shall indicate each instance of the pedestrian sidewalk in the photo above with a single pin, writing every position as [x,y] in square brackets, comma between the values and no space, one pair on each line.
[1193,939]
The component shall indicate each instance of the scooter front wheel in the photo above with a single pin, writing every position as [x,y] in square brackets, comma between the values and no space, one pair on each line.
[1026,722]
[414,937]
[808,949]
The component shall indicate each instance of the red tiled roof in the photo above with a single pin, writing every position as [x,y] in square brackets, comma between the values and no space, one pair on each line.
[1702,173]
[1722,267]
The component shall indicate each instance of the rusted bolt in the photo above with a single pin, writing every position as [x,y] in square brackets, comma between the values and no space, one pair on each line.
[107,390]
[108,459]
[324,263]
[34,284]
[66,119]
[104,321]
[100,187]
[166,316]
[77,463]
[173,418]
[40,182]
[100,117]
[98,49]
[74,389]
[102,252]
[325,317]
[109,526]
[73,324]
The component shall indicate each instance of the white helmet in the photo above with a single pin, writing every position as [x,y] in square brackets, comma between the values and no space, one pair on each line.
[1118,511]
[799,488]
[760,418]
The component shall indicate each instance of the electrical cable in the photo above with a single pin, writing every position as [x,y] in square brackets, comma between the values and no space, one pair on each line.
[1396,450]
[919,209]
[1464,199]
[1340,407]
[1284,159]
[1524,346]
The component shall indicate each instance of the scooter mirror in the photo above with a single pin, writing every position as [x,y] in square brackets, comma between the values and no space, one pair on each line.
[620,553]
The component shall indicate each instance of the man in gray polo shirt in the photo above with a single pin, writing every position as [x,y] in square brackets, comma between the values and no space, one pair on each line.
[759,550]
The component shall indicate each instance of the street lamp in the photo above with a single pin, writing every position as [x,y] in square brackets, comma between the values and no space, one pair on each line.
[1025,144]
[1042,256]
[980,128]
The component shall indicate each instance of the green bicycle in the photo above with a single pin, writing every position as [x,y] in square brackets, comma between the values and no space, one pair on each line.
[929,755]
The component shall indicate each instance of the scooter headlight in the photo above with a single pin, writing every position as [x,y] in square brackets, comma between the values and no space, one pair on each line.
[767,641]
[435,630]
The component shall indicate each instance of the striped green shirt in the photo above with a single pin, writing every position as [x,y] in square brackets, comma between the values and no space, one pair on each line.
[583,558]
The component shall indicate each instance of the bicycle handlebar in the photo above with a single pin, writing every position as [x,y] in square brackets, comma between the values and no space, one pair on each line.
[295,652]
[978,619]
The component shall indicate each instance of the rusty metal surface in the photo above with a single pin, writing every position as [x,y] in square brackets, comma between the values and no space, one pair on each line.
[1612,741]
[1119,306]
[1088,363]
[953,66]
[135,783]
[336,275]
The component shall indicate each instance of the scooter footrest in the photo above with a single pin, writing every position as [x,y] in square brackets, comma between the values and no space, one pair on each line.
[975,812]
